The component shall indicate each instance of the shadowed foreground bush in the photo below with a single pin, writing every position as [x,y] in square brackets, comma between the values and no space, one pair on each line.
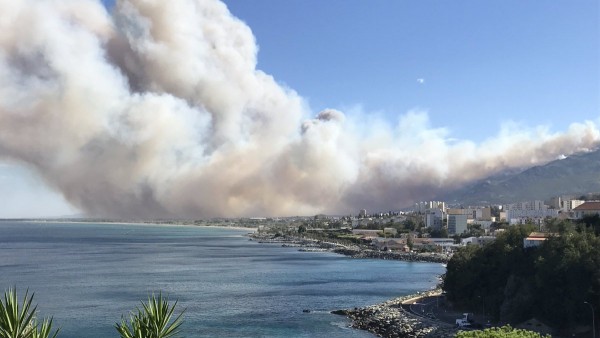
[500,332]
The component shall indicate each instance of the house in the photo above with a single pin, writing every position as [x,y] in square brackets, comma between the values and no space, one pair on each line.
[586,209]
[535,239]
[481,241]
[396,244]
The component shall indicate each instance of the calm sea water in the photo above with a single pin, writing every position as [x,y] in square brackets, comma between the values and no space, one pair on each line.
[88,275]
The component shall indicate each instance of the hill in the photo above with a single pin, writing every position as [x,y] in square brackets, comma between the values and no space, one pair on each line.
[577,174]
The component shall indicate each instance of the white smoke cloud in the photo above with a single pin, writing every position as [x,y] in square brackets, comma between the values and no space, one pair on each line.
[158,109]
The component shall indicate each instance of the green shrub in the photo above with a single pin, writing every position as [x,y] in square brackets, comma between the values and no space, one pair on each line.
[153,320]
[19,321]
[500,332]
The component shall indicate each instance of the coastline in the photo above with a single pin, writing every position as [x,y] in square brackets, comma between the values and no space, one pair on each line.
[50,221]
[390,318]
[353,251]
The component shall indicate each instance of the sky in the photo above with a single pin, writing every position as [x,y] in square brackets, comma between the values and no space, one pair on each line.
[482,63]
[471,69]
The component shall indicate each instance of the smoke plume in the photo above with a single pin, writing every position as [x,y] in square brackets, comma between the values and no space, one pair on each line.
[157,109]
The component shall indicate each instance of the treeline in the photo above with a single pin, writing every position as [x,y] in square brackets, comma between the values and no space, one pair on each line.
[550,282]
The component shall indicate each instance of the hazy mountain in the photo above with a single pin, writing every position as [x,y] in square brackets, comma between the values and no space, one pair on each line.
[577,175]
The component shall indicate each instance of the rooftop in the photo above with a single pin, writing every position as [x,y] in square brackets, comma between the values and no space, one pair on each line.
[595,205]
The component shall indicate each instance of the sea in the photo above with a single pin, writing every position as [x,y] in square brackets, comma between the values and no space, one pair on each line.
[88,276]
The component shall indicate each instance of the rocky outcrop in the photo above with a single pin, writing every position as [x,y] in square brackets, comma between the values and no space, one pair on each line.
[391,319]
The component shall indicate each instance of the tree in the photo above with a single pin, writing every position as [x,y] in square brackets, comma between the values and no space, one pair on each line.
[19,321]
[302,229]
[409,241]
[500,332]
[439,233]
[475,230]
[153,320]
[409,224]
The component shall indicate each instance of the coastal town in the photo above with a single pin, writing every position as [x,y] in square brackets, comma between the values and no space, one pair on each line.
[431,232]
[429,227]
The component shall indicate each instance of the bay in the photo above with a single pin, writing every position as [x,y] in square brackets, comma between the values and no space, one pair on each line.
[89,275]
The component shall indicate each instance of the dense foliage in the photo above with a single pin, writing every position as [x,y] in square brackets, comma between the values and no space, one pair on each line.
[512,284]
[499,332]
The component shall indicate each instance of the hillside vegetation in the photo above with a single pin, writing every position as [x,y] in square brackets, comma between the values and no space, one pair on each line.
[513,284]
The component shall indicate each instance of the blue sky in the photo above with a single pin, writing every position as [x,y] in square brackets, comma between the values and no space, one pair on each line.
[482,62]
[471,64]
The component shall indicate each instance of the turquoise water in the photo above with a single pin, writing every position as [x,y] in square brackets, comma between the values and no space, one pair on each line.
[88,275]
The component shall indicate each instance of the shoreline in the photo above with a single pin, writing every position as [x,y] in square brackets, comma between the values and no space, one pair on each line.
[386,319]
[391,319]
[353,251]
[131,223]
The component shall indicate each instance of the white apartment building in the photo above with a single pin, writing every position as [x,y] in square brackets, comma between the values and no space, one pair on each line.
[516,216]
[422,207]
[527,205]
[434,218]
[484,214]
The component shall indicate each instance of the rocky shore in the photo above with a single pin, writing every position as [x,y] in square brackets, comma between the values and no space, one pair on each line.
[393,319]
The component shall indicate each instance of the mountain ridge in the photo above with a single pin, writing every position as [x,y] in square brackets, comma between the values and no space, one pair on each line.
[577,174]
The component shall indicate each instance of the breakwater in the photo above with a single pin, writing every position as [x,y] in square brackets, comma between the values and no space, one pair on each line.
[393,319]
[400,256]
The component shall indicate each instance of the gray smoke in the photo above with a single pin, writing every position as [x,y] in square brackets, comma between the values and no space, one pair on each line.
[158,109]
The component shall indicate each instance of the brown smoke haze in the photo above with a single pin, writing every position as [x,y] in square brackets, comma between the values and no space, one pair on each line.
[157,109]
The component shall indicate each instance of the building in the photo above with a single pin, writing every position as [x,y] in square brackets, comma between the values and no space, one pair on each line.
[396,244]
[571,204]
[434,219]
[484,214]
[481,241]
[534,239]
[565,203]
[422,207]
[521,216]
[587,209]
[527,205]
[457,224]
